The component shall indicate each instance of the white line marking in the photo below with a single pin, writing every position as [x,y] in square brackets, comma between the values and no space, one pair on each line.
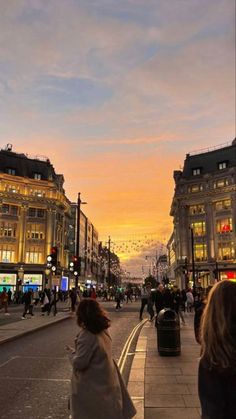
[9,360]
[36,379]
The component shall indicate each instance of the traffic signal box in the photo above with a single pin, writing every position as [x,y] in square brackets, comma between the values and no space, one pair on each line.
[52,260]
[74,265]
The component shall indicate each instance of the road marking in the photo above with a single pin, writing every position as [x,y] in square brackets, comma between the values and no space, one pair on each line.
[137,398]
[41,357]
[66,380]
[125,351]
[9,360]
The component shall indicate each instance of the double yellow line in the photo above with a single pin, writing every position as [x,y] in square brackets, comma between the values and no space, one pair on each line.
[126,348]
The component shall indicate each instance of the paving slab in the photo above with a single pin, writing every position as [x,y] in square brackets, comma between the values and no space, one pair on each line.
[171,413]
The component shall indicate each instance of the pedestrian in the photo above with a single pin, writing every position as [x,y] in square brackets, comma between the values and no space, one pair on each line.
[73,299]
[168,298]
[4,301]
[36,297]
[93,293]
[53,302]
[190,300]
[97,388]
[9,294]
[158,298]
[184,299]
[177,303]
[28,301]
[144,301]
[45,301]
[128,294]
[217,366]
[198,314]
[118,296]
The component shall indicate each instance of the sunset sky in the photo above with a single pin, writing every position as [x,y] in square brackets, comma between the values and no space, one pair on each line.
[115,93]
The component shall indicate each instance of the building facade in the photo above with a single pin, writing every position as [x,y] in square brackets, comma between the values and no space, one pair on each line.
[88,246]
[34,216]
[202,247]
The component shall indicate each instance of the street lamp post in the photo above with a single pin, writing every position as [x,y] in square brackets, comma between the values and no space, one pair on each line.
[20,277]
[193,259]
[79,203]
[109,262]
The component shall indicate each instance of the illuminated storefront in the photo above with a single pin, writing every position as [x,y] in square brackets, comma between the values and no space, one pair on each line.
[33,281]
[7,280]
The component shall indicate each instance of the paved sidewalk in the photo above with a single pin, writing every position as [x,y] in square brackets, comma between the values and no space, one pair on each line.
[19,328]
[165,387]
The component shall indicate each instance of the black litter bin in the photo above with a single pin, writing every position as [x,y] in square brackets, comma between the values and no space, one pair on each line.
[168,333]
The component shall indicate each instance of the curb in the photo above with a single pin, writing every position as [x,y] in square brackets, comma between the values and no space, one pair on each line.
[27,332]
[137,374]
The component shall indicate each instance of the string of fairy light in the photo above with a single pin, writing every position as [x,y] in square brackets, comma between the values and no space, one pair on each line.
[137,244]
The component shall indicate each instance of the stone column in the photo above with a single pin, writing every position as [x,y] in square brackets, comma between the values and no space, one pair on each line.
[22,233]
[210,231]
[184,231]
[50,229]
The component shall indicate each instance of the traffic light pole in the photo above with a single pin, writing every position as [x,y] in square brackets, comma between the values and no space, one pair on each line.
[78,240]
[109,262]
[193,260]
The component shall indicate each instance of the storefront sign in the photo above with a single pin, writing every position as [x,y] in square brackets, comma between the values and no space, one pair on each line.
[33,279]
[8,279]
[64,283]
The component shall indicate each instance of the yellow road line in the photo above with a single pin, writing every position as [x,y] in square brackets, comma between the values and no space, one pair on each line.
[125,351]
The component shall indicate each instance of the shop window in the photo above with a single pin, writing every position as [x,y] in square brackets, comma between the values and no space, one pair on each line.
[200,252]
[9,209]
[199,228]
[196,209]
[36,212]
[195,188]
[35,231]
[12,189]
[7,230]
[6,209]
[226,251]
[220,183]
[224,225]
[37,192]
[7,254]
[34,255]
[223,205]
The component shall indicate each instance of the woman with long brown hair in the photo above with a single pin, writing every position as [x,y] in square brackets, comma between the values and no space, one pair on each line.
[217,367]
[97,388]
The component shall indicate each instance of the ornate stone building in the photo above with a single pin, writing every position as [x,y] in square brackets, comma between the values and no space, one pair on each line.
[34,216]
[204,218]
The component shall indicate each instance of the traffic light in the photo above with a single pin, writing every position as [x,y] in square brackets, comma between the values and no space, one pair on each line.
[52,259]
[74,265]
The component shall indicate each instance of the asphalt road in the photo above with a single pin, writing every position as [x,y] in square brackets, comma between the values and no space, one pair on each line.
[35,372]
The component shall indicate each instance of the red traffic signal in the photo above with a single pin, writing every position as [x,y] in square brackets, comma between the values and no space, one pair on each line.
[54,250]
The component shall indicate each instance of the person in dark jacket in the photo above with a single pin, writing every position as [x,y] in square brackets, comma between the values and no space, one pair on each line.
[28,300]
[217,366]
[158,299]
[198,314]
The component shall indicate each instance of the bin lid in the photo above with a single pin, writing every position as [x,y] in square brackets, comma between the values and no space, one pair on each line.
[167,314]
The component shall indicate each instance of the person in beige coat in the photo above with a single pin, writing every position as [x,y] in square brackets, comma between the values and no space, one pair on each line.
[97,388]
